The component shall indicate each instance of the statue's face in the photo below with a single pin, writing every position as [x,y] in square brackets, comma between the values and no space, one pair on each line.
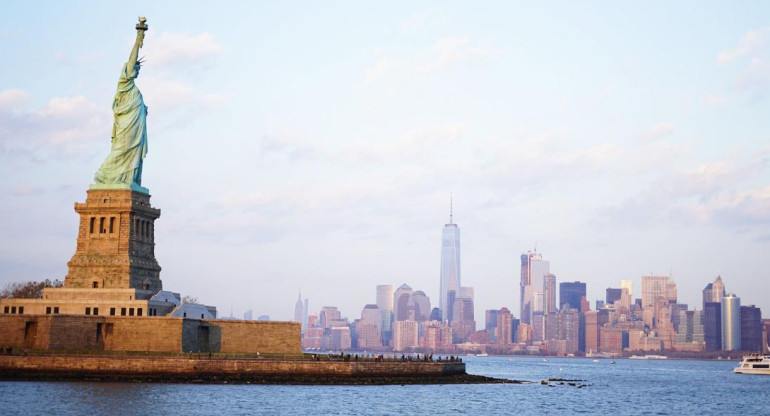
[136,70]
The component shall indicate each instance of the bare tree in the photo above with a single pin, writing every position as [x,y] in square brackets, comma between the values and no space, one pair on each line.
[189,299]
[28,290]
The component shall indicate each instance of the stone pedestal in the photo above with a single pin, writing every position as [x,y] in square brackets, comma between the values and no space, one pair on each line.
[116,242]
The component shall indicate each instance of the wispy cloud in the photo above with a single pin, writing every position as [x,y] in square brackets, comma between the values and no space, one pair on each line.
[13,98]
[658,132]
[751,43]
[451,50]
[712,193]
[12,33]
[163,94]
[756,77]
[442,54]
[427,18]
[754,46]
[64,125]
[165,82]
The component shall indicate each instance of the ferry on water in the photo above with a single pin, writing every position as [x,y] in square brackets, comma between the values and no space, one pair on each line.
[754,364]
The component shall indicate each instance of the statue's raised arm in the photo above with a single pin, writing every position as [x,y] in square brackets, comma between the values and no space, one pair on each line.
[141,27]
[122,169]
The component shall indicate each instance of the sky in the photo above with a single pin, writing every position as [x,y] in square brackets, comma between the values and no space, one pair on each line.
[314,146]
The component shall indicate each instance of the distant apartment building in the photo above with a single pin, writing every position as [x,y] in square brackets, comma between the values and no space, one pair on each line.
[504,327]
[312,338]
[328,315]
[405,335]
[538,326]
[638,340]
[594,320]
[568,330]
[463,323]
[340,338]
[368,334]
[655,296]
[436,336]
[613,340]
[523,333]
[690,329]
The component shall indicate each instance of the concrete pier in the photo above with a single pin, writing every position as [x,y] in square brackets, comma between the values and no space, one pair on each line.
[237,370]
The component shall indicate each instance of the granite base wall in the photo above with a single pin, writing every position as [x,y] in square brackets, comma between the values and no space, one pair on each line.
[154,334]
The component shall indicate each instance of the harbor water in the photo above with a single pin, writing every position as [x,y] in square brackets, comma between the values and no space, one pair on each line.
[646,387]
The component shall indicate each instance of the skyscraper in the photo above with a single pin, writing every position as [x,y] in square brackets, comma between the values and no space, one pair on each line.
[533,268]
[299,312]
[405,335]
[612,295]
[549,294]
[421,306]
[654,289]
[368,328]
[712,325]
[627,284]
[490,321]
[671,290]
[751,329]
[656,296]
[328,315]
[463,322]
[731,323]
[571,293]
[504,327]
[385,303]
[714,292]
[402,304]
[450,264]
[690,328]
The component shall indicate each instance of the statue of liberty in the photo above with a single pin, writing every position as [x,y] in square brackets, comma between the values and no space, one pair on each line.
[122,168]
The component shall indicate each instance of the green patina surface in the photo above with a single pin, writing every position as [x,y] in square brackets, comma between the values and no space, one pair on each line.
[127,186]
[122,169]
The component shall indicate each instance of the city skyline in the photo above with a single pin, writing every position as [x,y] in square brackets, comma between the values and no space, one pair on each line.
[286,153]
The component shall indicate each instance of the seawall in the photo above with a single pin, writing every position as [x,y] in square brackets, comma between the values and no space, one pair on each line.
[239,370]
[147,333]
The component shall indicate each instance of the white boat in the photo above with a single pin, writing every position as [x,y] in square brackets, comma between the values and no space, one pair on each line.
[754,364]
[648,357]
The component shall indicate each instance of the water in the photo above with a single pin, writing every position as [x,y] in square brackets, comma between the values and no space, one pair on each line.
[654,387]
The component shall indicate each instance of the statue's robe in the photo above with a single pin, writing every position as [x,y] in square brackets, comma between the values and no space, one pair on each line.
[129,141]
